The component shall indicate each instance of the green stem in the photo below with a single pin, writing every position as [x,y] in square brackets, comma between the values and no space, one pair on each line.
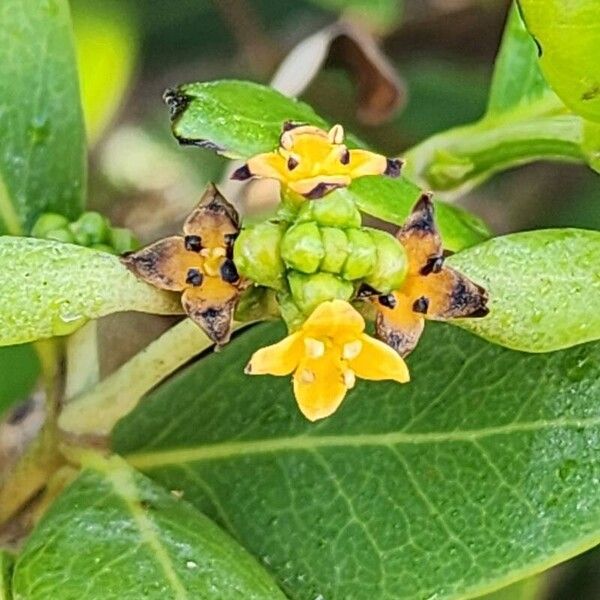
[461,158]
[96,412]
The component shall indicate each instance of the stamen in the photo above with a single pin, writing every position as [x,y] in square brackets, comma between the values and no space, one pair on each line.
[307,376]
[286,141]
[292,163]
[349,378]
[314,348]
[351,350]
[421,305]
[336,134]
[345,156]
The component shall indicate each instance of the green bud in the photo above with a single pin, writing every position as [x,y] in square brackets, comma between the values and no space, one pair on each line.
[335,243]
[302,248]
[308,291]
[90,228]
[334,210]
[391,265]
[103,248]
[290,313]
[48,222]
[122,240]
[257,254]
[60,235]
[362,255]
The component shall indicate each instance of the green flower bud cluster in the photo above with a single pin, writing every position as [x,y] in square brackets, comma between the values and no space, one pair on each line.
[91,229]
[320,254]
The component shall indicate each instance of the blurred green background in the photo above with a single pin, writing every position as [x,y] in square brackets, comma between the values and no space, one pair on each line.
[442,50]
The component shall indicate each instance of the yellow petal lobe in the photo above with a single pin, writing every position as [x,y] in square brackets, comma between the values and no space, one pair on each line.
[335,319]
[278,359]
[319,386]
[377,361]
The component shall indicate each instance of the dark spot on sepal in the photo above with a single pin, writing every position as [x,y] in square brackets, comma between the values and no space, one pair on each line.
[393,167]
[229,272]
[292,163]
[387,300]
[320,190]
[433,265]
[345,157]
[194,277]
[365,291]
[421,305]
[176,101]
[242,173]
[193,243]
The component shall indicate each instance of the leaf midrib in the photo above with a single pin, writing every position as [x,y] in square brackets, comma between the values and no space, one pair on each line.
[158,458]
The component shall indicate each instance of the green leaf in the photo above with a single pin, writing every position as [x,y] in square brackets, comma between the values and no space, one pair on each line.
[236,118]
[392,200]
[20,368]
[6,565]
[43,162]
[544,288]
[525,122]
[568,36]
[481,471]
[50,288]
[517,77]
[113,534]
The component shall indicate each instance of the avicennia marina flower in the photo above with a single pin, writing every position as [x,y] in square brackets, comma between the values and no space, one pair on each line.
[430,290]
[326,355]
[312,162]
[198,264]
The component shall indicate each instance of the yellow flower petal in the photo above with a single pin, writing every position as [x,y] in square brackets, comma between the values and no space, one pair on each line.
[335,319]
[317,187]
[363,162]
[378,361]
[278,359]
[319,386]
[270,164]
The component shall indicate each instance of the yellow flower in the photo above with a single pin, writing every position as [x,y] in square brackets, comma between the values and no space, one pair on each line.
[313,162]
[198,264]
[431,290]
[326,355]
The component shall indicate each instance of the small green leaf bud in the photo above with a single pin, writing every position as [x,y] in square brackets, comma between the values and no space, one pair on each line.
[60,235]
[257,254]
[335,243]
[123,240]
[90,228]
[302,248]
[308,291]
[334,210]
[48,222]
[391,265]
[362,255]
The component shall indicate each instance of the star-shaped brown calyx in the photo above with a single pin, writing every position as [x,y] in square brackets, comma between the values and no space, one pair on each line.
[198,264]
[431,289]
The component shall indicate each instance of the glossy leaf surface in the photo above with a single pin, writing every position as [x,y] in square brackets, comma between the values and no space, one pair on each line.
[568,38]
[113,535]
[50,288]
[544,288]
[42,162]
[448,487]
